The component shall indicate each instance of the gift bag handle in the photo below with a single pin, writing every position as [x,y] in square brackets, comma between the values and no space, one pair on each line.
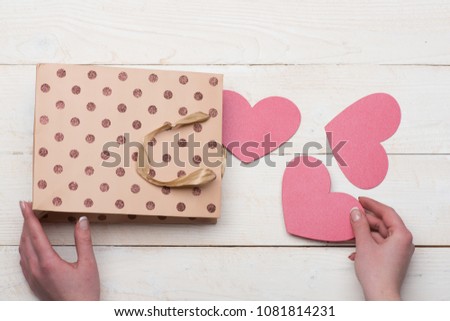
[199,177]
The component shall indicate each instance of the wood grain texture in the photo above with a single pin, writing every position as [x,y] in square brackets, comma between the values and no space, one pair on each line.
[416,186]
[225,32]
[235,274]
[321,54]
[320,92]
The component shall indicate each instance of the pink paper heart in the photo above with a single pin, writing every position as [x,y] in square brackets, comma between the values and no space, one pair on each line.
[363,126]
[245,128]
[310,209]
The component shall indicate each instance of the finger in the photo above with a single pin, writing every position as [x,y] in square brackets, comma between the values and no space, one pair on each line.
[26,250]
[387,214]
[352,256]
[361,228]
[377,225]
[36,234]
[379,239]
[83,241]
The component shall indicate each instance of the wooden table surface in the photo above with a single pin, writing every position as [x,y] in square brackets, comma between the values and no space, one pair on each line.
[321,54]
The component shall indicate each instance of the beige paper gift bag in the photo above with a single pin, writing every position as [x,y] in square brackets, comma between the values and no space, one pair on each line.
[121,144]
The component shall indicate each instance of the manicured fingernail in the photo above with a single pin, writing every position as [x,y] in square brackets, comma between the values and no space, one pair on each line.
[355,214]
[22,205]
[84,223]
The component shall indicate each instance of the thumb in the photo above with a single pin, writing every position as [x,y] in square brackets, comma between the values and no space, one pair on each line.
[83,241]
[361,228]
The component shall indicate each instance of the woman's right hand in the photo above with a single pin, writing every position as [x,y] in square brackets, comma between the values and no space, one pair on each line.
[383,250]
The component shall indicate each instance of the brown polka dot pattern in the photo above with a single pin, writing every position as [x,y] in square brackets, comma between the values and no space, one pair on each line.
[153,78]
[57,201]
[213,112]
[92,74]
[75,121]
[90,138]
[43,120]
[43,151]
[104,187]
[59,137]
[137,93]
[60,104]
[121,139]
[120,171]
[74,153]
[152,109]
[61,73]
[105,155]
[42,184]
[58,169]
[211,208]
[198,127]
[107,91]
[76,90]
[123,76]
[73,186]
[150,205]
[88,202]
[136,124]
[135,188]
[197,159]
[212,144]
[106,123]
[168,94]
[183,79]
[151,173]
[181,207]
[91,106]
[120,204]
[89,170]
[182,111]
[92,86]
[152,142]
[45,88]
[122,108]
[213,81]
[198,96]
[196,191]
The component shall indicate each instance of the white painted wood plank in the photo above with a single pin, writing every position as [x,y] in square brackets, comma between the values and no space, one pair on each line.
[320,92]
[229,274]
[416,185]
[225,32]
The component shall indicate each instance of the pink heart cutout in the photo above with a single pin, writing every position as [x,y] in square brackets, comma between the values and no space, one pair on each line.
[363,126]
[310,209]
[244,127]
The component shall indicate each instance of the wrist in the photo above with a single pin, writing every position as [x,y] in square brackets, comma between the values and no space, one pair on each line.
[383,295]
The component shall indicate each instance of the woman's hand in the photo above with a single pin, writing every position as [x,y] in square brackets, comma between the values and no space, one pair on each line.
[383,250]
[50,277]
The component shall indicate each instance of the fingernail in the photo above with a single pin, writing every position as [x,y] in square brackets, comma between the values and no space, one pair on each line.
[355,214]
[84,223]
[22,205]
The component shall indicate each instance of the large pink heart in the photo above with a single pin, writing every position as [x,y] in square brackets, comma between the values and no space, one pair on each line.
[360,129]
[250,133]
[310,209]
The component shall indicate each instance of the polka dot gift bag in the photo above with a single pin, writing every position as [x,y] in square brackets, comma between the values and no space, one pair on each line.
[121,144]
